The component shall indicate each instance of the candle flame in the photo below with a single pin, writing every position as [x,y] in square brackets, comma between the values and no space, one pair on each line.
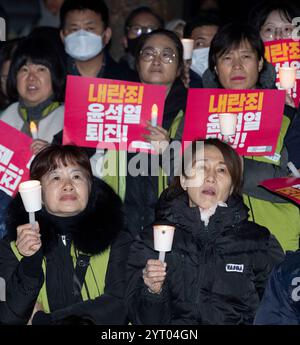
[154,110]
[33,128]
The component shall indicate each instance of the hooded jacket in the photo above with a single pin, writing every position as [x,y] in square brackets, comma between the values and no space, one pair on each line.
[94,239]
[215,274]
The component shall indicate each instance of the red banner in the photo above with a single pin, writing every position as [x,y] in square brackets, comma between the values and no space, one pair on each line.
[259,117]
[285,53]
[15,158]
[288,187]
[106,113]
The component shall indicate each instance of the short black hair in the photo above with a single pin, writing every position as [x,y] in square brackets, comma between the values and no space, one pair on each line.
[37,51]
[139,10]
[97,6]
[260,12]
[209,17]
[231,36]
[170,34]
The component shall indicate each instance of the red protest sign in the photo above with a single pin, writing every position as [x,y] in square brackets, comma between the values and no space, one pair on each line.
[259,117]
[15,158]
[285,53]
[288,187]
[106,113]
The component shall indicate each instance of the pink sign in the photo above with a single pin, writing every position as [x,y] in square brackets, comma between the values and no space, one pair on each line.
[259,116]
[288,187]
[15,158]
[285,53]
[106,113]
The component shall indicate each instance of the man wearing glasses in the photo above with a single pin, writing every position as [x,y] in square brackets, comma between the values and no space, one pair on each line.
[140,21]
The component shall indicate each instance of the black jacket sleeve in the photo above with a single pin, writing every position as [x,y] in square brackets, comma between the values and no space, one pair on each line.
[22,285]
[270,253]
[144,308]
[109,308]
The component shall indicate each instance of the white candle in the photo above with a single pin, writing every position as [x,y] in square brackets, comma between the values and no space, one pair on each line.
[32,219]
[287,77]
[188,47]
[293,169]
[162,256]
[33,130]
[154,113]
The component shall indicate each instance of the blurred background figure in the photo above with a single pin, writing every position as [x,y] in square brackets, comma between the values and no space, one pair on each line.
[86,33]
[141,20]
[274,20]
[6,52]
[201,29]
[49,13]
[176,25]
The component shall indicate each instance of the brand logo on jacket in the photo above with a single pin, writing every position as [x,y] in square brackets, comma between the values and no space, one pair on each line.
[234,268]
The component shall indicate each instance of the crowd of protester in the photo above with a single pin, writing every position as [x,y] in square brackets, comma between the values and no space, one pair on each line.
[89,256]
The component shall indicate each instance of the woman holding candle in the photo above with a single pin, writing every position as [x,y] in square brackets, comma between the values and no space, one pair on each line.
[236,61]
[36,81]
[73,262]
[274,20]
[159,60]
[219,263]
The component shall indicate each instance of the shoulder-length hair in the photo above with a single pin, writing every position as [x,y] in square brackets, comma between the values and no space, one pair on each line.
[231,158]
[38,51]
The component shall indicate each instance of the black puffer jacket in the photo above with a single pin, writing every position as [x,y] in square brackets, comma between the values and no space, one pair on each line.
[215,274]
[91,232]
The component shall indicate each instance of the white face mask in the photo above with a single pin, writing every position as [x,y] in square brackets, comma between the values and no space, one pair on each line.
[200,60]
[83,45]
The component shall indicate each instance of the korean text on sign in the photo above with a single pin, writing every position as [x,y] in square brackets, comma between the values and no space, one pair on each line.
[111,109]
[10,174]
[248,107]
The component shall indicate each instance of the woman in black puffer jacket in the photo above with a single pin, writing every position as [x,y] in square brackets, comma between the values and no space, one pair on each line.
[220,262]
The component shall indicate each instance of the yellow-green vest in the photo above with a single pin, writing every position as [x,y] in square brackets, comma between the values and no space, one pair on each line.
[116,163]
[94,278]
[282,219]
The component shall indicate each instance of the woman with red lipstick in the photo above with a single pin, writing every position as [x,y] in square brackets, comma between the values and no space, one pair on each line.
[72,262]
[237,62]
[219,263]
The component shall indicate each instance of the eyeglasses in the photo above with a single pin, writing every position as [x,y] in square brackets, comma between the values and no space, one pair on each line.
[166,55]
[138,30]
[270,32]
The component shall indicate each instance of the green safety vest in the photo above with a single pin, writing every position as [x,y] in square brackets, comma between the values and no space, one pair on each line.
[116,166]
[282,219]
[94,278]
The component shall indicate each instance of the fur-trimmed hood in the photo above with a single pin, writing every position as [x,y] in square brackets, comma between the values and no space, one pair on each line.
[91,231]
